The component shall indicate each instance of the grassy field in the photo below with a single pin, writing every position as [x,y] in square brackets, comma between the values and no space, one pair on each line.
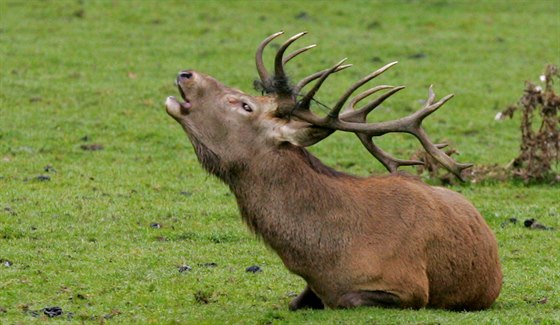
[102,234]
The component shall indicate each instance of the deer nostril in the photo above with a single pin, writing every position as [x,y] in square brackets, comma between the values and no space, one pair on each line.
[185,74]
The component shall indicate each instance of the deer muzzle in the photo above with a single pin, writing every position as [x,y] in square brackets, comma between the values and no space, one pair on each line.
[177,108]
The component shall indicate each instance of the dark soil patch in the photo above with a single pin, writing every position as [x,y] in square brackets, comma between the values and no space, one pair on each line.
[202,297]
[302,15]
[92,147]
[253,269]
[209,265]
[186,193]
[417,56]
[113,313]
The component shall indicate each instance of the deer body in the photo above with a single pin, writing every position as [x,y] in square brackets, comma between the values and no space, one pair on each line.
[389,241]
[344,234]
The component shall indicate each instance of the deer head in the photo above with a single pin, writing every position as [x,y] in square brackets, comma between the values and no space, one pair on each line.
[227,125]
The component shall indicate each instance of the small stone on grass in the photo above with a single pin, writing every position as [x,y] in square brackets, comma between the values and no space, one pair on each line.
[184,268]
[533,224]
[43,178]
[52,311]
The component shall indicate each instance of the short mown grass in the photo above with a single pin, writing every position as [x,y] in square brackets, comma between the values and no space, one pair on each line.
[102,234]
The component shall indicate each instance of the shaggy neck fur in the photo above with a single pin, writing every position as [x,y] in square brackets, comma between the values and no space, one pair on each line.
[296,185]
[280,196]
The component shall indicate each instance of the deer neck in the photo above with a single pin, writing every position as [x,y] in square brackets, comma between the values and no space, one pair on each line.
[280,195]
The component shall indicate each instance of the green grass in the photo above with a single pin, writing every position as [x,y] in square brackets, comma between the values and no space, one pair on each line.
[101,69]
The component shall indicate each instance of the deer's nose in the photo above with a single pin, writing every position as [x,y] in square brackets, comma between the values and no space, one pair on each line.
[184,75]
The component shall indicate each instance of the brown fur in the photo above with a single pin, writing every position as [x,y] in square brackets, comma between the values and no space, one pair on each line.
[388,241]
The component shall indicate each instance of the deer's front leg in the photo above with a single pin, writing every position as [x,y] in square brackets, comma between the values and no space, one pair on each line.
[306,299]
[369,298]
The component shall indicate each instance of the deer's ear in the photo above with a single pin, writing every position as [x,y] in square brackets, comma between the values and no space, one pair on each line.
[298,133]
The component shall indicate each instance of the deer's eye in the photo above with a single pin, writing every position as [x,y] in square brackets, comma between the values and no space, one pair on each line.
[246,107]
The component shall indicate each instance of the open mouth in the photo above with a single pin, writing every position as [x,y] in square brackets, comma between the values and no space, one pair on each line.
[178,108]
[186,104]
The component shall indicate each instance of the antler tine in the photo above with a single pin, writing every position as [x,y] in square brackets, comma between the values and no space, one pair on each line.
[303,82]
[430,106]
[297,52]
[261,69]
[439,155]
[365,94]
[432,95]
[363,112]
[304,103]
[392,164]
[338,106]
[278,60]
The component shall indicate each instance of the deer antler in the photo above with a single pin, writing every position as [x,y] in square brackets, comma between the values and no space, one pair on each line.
[353,119]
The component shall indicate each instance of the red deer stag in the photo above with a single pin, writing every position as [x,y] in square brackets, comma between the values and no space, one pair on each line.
[389,241]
